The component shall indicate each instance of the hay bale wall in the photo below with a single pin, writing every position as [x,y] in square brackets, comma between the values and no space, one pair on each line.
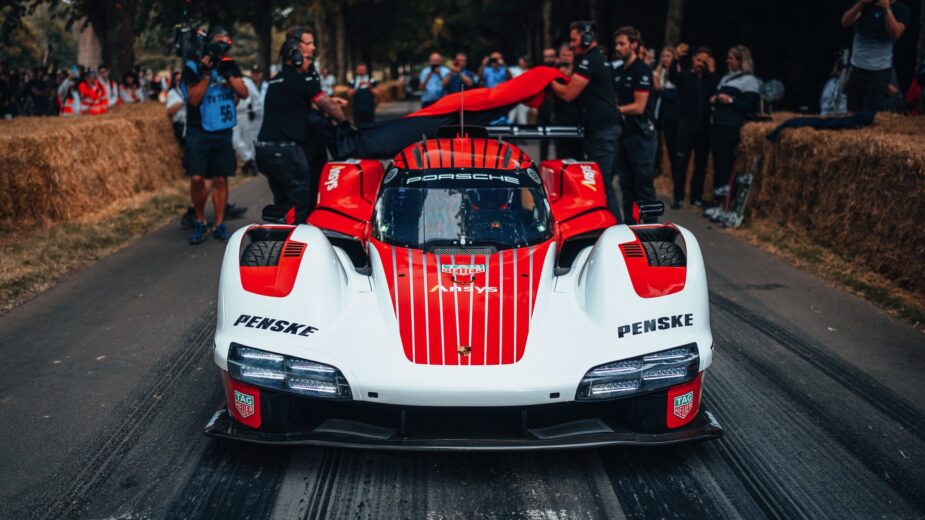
[55,169]
[861,193]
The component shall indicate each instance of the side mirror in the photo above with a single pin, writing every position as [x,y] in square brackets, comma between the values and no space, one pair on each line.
[647,212]
[274,214]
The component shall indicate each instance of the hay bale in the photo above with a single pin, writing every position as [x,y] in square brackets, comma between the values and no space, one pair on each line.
[57,169]
[857,192]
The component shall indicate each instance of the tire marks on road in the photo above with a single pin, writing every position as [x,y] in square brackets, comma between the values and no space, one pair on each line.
[88,473]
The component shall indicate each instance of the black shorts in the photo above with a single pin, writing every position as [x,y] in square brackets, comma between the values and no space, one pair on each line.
[209,154]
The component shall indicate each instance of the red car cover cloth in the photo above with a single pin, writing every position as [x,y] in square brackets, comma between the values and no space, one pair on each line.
[529,88]
[385,139]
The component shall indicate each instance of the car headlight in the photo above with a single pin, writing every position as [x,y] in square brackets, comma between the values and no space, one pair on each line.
[640,374]
[286,373]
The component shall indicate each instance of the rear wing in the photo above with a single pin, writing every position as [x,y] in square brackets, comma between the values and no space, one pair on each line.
[535,132]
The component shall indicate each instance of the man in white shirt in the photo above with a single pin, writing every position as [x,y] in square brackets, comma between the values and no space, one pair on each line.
[250,117]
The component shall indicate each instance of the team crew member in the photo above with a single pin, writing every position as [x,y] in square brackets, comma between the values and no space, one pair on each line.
[736,99]
[364,91]
[696,81]
[592,86]
[636,154]
[280,153]
[210,86]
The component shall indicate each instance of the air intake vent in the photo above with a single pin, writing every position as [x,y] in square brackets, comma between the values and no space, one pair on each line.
[465,251]
[293,249]
[632,250]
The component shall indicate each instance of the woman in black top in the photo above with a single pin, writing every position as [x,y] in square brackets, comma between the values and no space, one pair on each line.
[735,100]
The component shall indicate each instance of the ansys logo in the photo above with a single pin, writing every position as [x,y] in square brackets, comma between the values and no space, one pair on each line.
[244,404]
[590,177]
[683,404]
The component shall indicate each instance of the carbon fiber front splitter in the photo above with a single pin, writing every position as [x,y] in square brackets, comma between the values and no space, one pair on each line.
[349,434]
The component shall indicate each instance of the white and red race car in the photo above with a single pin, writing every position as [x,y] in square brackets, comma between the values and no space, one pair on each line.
[463,298]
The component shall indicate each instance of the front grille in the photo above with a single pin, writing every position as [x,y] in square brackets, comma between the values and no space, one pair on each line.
[465,251]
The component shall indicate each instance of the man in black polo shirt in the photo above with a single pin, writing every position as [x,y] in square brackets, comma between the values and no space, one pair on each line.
[280,153]
[592,86]
[636,153]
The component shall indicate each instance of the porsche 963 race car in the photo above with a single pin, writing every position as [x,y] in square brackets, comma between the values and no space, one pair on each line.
[463,298]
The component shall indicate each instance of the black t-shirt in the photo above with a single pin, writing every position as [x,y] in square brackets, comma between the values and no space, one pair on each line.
[286,105]
[627,80]
[364,102]
[596,100]
[40,103]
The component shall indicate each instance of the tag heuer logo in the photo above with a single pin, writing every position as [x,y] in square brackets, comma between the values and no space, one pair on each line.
[462,270]
[683,404]
[244,404]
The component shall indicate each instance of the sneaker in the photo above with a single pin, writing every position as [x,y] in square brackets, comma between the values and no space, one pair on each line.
[221,233]
[232,211]
[676,204]
[188,220]
[200,233]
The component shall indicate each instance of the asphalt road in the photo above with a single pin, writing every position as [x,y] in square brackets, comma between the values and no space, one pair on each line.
[106,381]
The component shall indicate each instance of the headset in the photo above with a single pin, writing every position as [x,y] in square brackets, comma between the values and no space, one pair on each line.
[294,53]
[587,34]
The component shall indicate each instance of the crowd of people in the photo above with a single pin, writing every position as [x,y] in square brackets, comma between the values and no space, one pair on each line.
[77,90]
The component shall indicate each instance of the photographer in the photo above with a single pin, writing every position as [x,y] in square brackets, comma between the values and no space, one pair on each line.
[635,164]
[591,85]
[877,25]
[364,91]
[493,72]
[459,76]
[432,85]
[281,153]
[210,86]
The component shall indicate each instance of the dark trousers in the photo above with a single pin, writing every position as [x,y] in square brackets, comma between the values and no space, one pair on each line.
[668,134]
[866,89]
[693,138]
[600,146]
[636,167]
[287,171]
[725,141]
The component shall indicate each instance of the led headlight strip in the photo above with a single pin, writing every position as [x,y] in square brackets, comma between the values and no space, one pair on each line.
[640,374]
[285,373]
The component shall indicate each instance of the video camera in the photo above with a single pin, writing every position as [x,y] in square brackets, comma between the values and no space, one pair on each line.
[194,44]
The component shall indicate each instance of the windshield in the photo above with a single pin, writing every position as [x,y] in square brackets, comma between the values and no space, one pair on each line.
[425,217]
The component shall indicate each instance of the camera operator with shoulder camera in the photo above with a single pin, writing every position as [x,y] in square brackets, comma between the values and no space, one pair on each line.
[210,86]
[281,153]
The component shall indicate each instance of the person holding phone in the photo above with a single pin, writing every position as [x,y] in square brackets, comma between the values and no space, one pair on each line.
[432,87]
[877,25]
[459,75]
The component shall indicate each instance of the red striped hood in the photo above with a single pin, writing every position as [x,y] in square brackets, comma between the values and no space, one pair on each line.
[450,313]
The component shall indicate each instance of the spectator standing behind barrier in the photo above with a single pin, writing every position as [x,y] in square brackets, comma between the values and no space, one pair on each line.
[696,81]
[130,91]
[735,100]
[110,87]
[280,153]
[432,81]
[518,114]
[635,157]
[591,85]
[877,25]
[565,113]
[493,72]
[460,76]
[545,112]
[210,86]
[250,117]
[176,109]
[328,81]
[667,108]
[69,97]
[364,94]
[40,93]
[92,100]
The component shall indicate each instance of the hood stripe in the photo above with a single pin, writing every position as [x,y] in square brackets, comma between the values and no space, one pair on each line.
[433,328]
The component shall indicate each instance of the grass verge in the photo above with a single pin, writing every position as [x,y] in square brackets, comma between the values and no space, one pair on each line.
[838,271]
[34,258]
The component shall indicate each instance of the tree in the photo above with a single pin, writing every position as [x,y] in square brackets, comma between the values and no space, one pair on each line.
[673,19]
